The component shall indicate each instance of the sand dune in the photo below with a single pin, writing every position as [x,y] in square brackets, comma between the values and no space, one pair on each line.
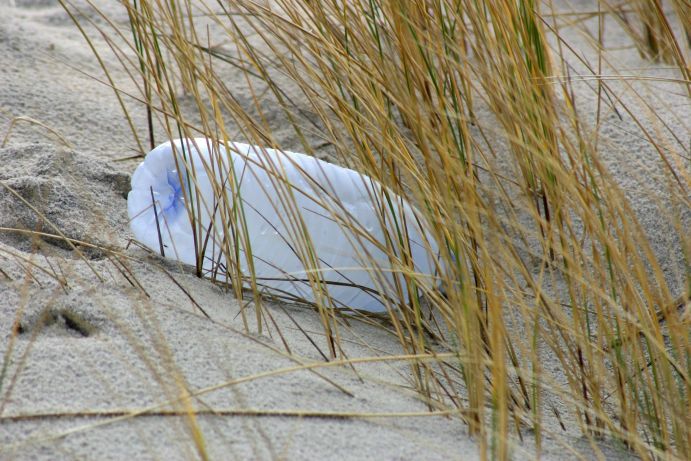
[106,342]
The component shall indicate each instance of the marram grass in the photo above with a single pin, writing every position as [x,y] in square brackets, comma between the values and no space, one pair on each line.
[542,253]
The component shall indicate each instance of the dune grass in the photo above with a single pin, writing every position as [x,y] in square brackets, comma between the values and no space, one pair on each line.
[468,109]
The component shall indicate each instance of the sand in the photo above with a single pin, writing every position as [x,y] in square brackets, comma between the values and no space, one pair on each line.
[99,340]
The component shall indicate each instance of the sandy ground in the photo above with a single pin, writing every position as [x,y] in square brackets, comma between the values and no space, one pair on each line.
[93,346]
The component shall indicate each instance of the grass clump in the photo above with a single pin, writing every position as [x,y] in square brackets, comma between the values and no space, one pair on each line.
[471,110]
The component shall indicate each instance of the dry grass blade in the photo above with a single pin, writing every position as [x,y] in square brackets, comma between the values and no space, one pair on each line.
[186,396]
[33,121]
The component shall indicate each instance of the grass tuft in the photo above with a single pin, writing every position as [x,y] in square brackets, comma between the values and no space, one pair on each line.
[471,111]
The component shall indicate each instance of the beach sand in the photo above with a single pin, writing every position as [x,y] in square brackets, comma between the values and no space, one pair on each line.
[106,343]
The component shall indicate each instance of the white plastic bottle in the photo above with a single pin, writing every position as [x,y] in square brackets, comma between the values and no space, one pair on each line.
[350,219]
